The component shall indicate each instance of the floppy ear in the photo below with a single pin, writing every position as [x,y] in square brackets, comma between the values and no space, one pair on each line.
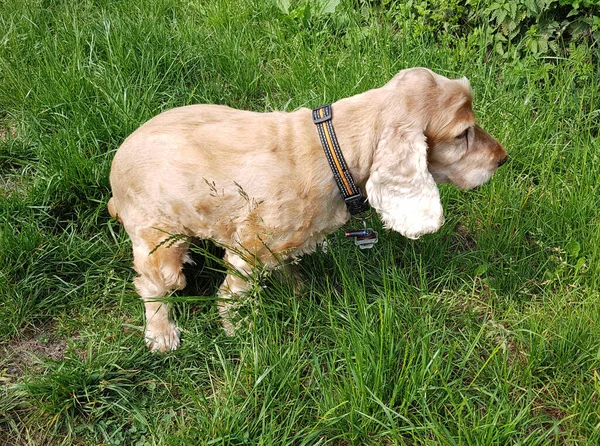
[401,188]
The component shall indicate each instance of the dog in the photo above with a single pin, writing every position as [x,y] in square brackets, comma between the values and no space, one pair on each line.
[259,184]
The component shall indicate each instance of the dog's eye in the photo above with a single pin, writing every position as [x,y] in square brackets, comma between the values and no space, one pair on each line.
[463,134]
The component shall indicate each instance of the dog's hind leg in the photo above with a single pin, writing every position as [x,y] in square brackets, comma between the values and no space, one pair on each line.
[159,265]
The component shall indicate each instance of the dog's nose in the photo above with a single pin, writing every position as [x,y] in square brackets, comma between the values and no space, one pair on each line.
[502,161]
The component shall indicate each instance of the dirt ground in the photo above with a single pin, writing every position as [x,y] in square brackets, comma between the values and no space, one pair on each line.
[25,352]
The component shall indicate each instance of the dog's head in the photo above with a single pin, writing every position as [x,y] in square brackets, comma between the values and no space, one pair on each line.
[459,151]
[430,135]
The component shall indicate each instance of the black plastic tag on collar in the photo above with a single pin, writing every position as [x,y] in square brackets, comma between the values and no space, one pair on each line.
[357,204]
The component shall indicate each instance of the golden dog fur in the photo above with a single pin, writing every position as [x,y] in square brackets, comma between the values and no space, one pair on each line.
[259,184]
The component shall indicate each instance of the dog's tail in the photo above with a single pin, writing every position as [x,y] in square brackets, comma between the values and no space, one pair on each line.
[112,208]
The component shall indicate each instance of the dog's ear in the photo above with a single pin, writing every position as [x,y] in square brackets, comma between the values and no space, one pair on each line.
[401,188]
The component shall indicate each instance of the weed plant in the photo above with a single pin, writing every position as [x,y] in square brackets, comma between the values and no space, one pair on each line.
[485,333]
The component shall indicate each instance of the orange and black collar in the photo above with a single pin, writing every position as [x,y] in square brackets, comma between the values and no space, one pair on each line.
[355,201]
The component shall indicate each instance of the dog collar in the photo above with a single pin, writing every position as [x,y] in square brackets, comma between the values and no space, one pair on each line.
[353,197]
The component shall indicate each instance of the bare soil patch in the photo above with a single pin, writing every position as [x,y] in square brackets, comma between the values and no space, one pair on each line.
[25,352]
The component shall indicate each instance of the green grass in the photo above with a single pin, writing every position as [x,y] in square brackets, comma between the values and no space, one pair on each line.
[485,333]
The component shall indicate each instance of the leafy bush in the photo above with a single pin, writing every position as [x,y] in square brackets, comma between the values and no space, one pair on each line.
[430,15]
[538,24]
[531,26]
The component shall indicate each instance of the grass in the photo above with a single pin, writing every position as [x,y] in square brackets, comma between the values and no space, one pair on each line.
[485,333]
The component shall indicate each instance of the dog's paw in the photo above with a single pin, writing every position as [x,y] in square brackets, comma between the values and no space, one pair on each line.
[163,337]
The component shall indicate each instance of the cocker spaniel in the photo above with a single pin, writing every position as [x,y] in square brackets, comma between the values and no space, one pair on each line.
[259,184]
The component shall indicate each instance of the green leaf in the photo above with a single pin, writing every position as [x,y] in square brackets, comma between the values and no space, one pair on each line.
[481,269]
[329,6]
[573,248]
[579,264]
[533,46]
[532,6]
[499,15]
[307,15]
[283,5]
[499,48]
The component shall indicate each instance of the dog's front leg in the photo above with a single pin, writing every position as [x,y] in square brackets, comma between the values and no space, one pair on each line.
[232,291]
